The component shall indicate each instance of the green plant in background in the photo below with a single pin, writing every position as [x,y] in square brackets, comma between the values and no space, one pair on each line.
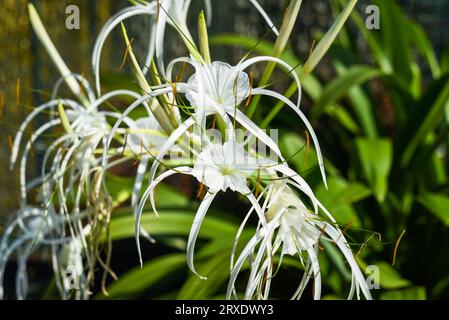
[384,118]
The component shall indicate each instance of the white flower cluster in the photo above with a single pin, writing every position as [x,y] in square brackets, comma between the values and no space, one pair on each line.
[76,204]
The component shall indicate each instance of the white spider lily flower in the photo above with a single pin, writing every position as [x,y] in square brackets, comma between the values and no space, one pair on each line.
[146,135]
[146,139]
[220,167]
[219,88]
[89,128]
[219,85]
[30,229]
[73,157]
[161,12]
[292,230]
[175,13]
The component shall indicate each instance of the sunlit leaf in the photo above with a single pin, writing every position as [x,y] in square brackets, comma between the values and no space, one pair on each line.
[336,89]
[376,156]
[438,204]
[390,277]
[170,222]
[340,196]
[139,279]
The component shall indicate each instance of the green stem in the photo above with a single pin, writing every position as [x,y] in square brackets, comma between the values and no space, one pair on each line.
[44,38]
[204,38]
[158,111]
[291,14]
[278,107]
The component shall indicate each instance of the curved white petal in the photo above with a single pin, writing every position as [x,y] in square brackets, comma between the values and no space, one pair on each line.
[340,241]
[106,30]
[125,114]
[30,117]
[265,16]
[196,225]
[80,78]
[241,118]
[23,162]
[146,194]
[316,272]
[304,120]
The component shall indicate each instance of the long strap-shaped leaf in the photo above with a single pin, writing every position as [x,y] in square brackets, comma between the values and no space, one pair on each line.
[329,38]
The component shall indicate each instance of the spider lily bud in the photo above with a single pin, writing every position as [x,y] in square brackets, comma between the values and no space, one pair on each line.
[204,39]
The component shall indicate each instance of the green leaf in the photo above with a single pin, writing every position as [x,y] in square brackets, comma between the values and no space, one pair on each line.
[215,269]
[421,40]
[340,196]
[140,279]
[334,255]
[336,89]
[262,47]
[167,196]
[170,222]
[394,38]
[203,37]
[120,189]
[376,156]
[438,204]
[213,262]
[373,43]
[325,43]
[390,277]
[294,149]
[444,59]
[440,287]
[434,116]
[332,297]
[64,119]
[415,293]
[342,115]
[361,104]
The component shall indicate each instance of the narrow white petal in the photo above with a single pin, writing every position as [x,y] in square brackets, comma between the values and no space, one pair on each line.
[147,193]
[108,27]
[194,230]
[265,16]
[340,241]
[316,272]
[304,120]
[241,118]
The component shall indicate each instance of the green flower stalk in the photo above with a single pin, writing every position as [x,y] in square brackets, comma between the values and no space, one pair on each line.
[44,38]
[288,22]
